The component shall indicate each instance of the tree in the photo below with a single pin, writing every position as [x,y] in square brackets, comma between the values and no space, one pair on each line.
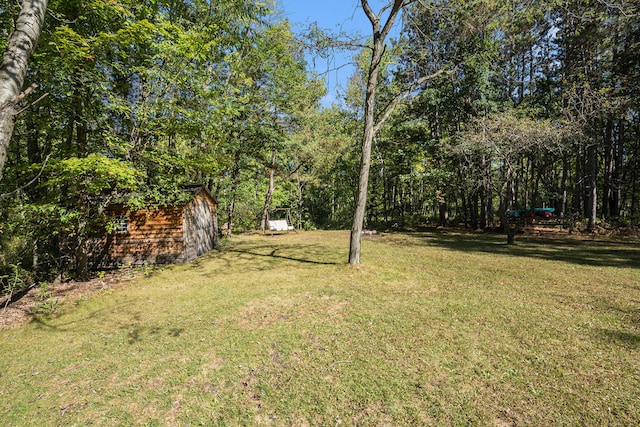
[380,33]
[505,140]
[285,93]
[143,86]
[15,61]
[331,168]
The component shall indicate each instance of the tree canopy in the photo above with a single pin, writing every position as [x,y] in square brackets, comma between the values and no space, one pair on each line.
[479,107]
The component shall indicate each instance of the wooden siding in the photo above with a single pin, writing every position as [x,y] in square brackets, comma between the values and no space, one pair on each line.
[154,237]
[161,236]
[198,226]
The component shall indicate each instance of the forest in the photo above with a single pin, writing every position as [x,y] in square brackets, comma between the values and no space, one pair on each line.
[480,106]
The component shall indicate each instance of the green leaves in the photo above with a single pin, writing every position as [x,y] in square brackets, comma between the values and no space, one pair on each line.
[71,45]
[92,175]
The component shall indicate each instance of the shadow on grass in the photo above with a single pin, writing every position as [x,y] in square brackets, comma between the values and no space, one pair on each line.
[631,339]
[53,323]
[134,331]
[137,333]
[281,252]
[581,252]
[245,258]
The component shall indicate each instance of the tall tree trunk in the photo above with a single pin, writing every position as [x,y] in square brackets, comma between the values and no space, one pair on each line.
[385,193]
[486,196]
[443,212]
[483,219]
[379,34]
[564,185]
[81,252]
[15,61]
[235,175]
[300,223]
[365,156]
[633,184]
[578,182]
[592,183]
[608,154]
[473,208]
[267,200]
[618,163]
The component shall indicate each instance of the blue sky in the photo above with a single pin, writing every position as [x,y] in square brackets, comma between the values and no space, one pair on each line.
[336,16]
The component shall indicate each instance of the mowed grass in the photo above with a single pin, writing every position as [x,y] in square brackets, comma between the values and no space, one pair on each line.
[432,329]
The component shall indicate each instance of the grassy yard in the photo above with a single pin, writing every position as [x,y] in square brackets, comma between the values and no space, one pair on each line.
[433,329]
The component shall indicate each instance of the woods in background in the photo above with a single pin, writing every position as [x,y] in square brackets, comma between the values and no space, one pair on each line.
[537,105]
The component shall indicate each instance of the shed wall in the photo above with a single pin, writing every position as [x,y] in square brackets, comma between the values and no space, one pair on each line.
[154,237]
[161,236]
[199,226]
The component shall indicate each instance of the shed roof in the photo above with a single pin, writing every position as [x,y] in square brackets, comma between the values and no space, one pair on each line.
[197,189]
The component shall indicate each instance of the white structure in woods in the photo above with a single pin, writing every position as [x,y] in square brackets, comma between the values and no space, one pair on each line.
[280,225]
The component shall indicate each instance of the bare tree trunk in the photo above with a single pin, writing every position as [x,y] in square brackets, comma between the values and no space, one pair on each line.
[443,212]
[379,34]
[486,208]
[618,163]
[230,212]
[592,185]
[267,200]
[564,185]
[578,185]
[385,193]
[608,155]
[633,184]
[15,61]
[473,206]
[216,229]
[299,224]
[365,156]
[235,175]
[81,253]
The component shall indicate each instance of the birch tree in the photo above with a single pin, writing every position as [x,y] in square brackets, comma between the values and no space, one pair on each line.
[15,62]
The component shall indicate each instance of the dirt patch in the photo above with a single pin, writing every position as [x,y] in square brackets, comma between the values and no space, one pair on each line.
[19,312]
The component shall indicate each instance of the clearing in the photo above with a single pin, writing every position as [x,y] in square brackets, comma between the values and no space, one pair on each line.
[435,328]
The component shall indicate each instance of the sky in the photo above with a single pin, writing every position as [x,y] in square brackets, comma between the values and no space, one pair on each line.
[337,16]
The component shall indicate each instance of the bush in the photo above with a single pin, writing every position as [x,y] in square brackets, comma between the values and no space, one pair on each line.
[16,281]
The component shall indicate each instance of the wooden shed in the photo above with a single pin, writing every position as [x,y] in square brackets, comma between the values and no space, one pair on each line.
[172,234]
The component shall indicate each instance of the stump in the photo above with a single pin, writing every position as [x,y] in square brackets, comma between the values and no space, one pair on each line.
[511,235]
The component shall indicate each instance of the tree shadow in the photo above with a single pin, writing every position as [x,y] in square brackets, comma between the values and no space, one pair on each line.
[626,338]
[7,300]
[133,330]
[581,252]
[263,257]
[281,253]
[628,311]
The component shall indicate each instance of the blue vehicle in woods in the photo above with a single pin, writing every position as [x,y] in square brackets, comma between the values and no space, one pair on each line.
[518,219]
[531,213]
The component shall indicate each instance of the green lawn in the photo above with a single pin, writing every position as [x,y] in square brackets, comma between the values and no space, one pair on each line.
[433,329]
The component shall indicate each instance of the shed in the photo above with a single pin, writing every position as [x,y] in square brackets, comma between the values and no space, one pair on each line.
[165,235]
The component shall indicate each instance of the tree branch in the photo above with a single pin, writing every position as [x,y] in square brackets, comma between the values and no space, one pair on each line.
[33,103]
[2,196]
[388,110]
[375,21]
[26,92]
[397,5]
